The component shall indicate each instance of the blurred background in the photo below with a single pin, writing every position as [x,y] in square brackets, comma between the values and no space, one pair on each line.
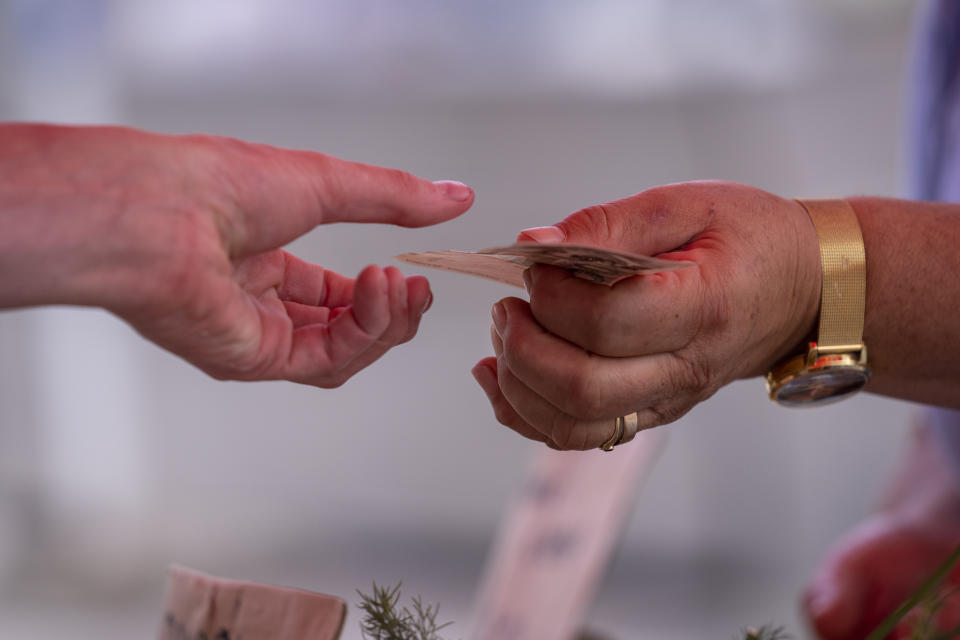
[117,459]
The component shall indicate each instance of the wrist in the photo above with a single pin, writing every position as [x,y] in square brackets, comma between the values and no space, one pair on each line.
[834,365]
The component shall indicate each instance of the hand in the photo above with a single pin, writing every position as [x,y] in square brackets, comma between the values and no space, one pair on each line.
[180,237]
[579,354]
[877,565]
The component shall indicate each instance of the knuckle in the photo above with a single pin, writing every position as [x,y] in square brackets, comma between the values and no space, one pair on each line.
[332,383]
[562,436]
[693,374]
[595,222]
[568,434]
[402,180]
[409,335]
[665,414]
[503,414]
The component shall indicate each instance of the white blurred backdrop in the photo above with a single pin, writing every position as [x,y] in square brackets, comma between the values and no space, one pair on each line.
[117,458]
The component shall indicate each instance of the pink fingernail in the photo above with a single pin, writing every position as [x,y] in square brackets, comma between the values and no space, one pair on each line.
[543,235]
[454,190]
[428,303]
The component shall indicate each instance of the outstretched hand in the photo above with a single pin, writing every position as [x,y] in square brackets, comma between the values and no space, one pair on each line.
[181,237]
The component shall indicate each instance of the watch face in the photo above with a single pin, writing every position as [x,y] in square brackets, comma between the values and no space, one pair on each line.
[822,386]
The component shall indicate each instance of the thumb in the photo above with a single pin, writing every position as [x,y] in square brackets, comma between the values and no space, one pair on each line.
[282,194]
[651,222]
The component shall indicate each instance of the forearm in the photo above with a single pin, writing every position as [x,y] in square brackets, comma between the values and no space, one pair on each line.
[911,325]
[68,234]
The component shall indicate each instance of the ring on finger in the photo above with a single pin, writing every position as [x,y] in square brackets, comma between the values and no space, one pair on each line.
[624,429]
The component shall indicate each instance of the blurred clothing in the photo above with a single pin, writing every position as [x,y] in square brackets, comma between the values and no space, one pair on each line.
[934,144]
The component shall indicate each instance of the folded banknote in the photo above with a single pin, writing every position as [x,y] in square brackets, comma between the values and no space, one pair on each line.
[506,264]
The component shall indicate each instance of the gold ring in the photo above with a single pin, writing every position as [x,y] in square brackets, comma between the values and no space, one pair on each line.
[624,429]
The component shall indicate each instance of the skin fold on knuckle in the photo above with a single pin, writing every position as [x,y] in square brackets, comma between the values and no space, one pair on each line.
[503,414]
[561,434]
[691,374]
[687,383]
[661,415]
[570,434]
[329,382]
[412,327]
[404,187]
[595,223]
[373,323]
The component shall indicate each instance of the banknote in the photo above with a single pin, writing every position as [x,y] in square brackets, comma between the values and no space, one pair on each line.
[506,264]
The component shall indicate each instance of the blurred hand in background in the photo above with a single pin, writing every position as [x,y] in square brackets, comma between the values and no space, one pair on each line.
[874,567]
[181,237]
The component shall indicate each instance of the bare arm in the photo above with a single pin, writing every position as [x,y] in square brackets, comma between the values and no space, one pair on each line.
[181,235]
[578,355]
[912,320]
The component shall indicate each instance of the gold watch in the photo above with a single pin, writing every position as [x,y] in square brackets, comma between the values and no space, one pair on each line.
[835,366]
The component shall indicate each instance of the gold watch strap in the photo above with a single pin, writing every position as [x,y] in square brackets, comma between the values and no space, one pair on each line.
[844,274]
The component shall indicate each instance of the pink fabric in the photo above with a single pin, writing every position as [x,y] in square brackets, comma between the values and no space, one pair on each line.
[201,607]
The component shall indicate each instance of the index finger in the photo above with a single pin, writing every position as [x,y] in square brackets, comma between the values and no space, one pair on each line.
[278,194]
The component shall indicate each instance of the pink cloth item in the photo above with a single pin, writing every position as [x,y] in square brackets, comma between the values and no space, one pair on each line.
[201,607]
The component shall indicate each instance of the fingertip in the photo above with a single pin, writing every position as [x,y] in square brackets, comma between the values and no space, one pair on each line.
[419,295]
[392,272]
[371,300]
[372,276]
[491,363]
[542,235]
[485,373]
[428,303]
[514,310]
[455,190]
[397,285]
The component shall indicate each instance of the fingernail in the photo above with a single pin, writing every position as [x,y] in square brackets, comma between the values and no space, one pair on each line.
[543,235]
[454,190]
[428,303]
[527,280]
[499,317]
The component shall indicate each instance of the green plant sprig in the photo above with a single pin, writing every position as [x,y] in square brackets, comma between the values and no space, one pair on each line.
[930,597]
[385,619]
